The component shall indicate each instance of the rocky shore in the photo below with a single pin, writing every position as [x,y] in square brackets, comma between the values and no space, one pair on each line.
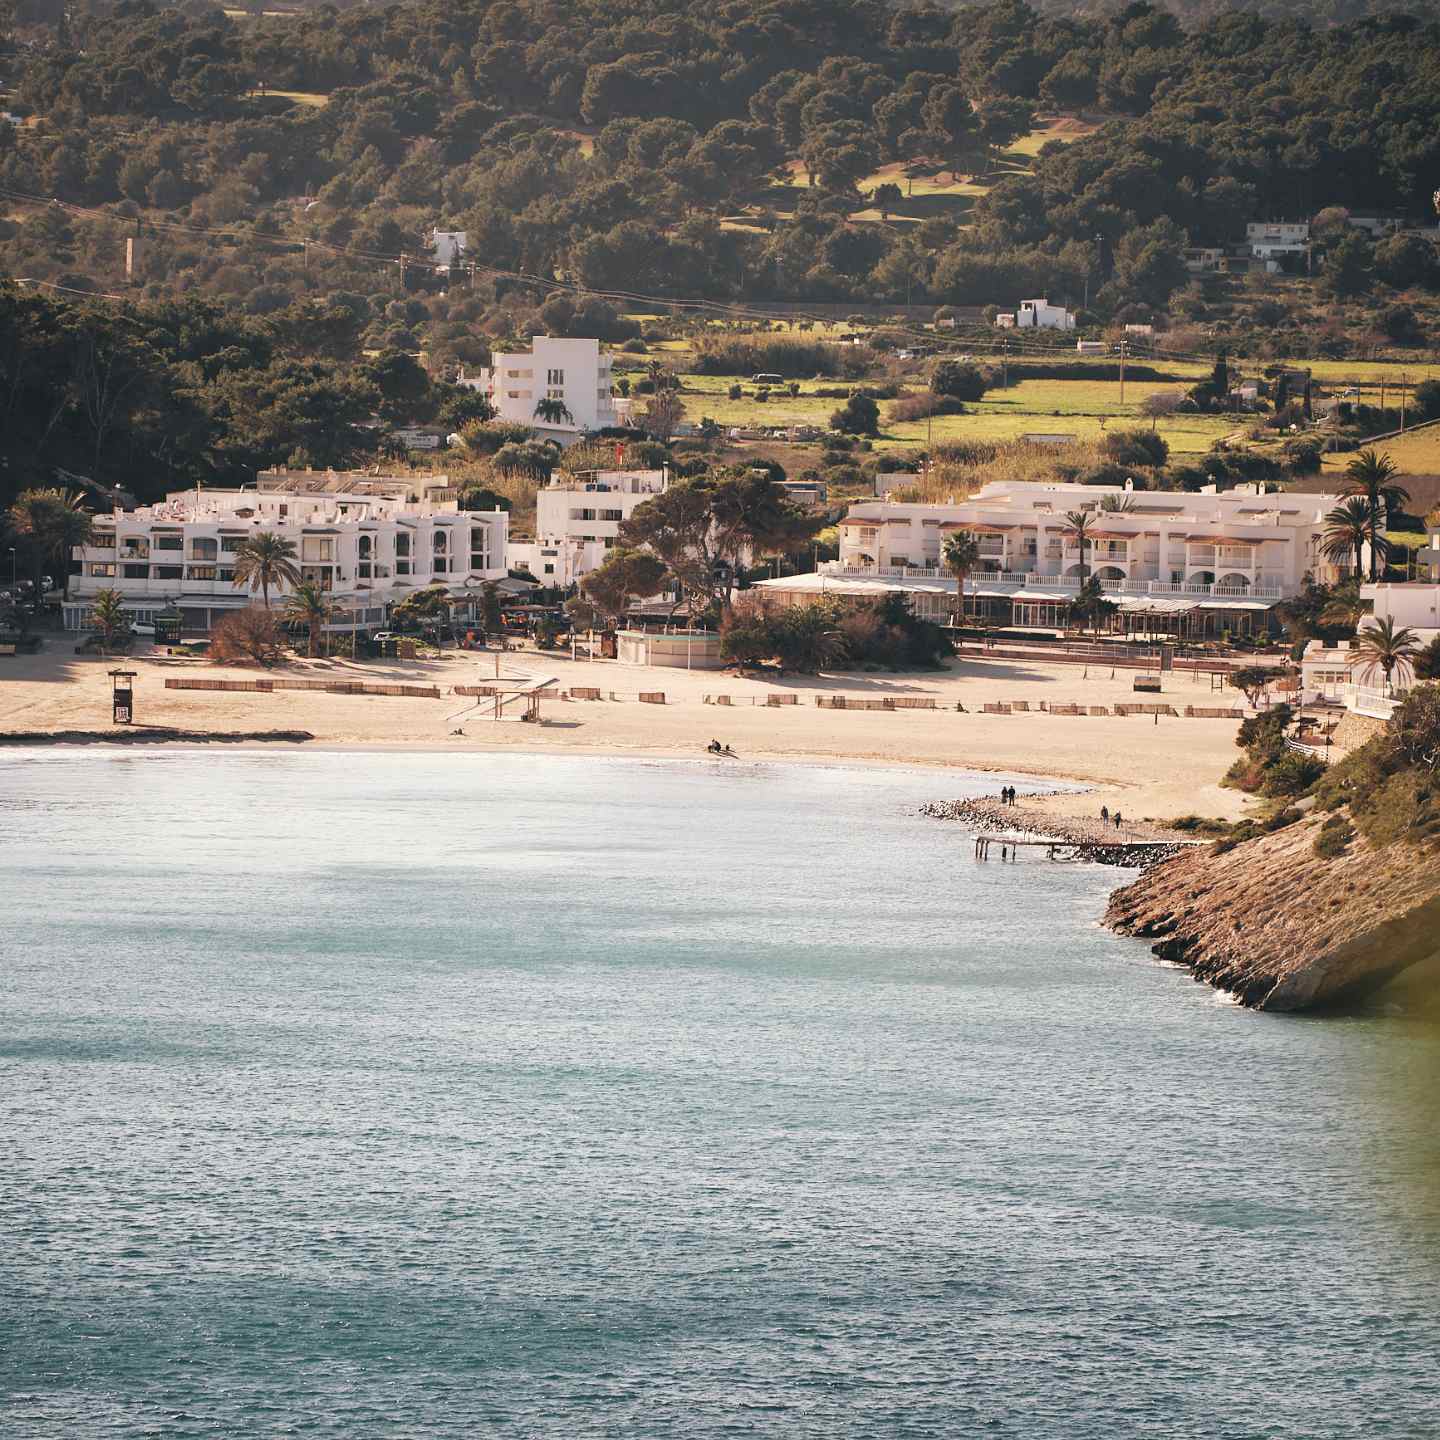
[1281,928]
[1133,842]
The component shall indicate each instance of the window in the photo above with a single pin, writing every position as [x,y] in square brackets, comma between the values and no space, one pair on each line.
[199,572]
[612,514]
[317,548]
[168,542]
[549,570]
[103,569]
[203,548]
[227,574]
[105,539]
[555,377]
[229,544]
[479,547]
[170,572]
[135,572]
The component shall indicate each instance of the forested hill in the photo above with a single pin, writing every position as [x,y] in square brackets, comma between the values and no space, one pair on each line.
[620,145]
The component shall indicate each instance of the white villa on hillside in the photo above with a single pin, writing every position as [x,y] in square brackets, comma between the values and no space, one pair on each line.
[1173,563]
[572,372]
[577,520]
[370,550]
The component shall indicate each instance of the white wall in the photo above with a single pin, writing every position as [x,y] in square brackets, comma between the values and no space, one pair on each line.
[571,371]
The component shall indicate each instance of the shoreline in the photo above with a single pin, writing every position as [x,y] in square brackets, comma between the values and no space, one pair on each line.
[1138,765]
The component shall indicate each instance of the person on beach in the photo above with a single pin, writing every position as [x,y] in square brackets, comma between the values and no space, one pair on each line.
[1104,812]
[1117,819]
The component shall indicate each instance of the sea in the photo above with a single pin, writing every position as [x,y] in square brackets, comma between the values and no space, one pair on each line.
[430,1095]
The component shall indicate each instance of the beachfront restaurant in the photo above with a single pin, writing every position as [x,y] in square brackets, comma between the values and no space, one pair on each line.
[1041,608]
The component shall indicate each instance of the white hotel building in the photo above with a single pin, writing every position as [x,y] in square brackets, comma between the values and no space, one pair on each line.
[574,372]
[577,521]
[369,549]
[1173,563]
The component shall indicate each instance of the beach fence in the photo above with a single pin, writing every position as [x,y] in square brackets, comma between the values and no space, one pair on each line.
[329,687]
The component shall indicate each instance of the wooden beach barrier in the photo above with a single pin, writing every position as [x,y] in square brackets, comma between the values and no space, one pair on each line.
[775,701]
[1214,712]
[329,687]
[652,697]
[584,692]
[997,707]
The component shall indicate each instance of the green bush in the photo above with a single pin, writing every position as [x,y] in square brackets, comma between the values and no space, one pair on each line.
[1334,837]
[1291,774]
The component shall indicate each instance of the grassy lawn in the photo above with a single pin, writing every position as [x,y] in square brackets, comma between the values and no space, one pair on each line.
[1417,454]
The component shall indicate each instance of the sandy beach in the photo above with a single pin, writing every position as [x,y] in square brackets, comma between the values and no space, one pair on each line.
[1146,769]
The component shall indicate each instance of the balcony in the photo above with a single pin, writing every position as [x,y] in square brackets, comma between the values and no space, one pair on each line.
[1029,580]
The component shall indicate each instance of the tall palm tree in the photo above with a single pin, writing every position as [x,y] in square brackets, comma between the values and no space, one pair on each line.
[1371,476]
[310,605]
[1383,647]
[960,554]
[1349,527]
[553,411]
[1077,528]
[109,618]
[264,560]
[1345,610]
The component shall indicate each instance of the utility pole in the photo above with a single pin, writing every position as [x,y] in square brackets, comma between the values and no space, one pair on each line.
[1122,371]
[1005,363]
[1404,386]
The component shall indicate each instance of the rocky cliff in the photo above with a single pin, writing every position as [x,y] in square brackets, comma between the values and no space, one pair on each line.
[1282,928]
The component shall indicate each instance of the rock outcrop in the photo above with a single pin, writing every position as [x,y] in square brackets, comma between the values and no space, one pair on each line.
[1280,927]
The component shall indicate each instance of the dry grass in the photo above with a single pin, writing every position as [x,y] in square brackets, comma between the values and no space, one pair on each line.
[955,479]
[1415,454]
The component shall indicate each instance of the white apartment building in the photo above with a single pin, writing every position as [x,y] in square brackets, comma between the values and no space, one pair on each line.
[572,372]
[369,550]
[577,520]
[1173,563]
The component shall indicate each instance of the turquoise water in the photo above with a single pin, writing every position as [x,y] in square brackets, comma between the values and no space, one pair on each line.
[397,1095]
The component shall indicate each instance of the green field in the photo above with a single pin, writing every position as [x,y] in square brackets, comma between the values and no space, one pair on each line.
[1075,407]
[1417,454]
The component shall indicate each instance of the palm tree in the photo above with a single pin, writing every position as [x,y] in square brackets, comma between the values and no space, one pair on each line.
[961,552]
[1370,476]
[310,605]
[1345,610]
[1077,528]
[49,523]
[264,560]
[553,411]
[1349,527]
[1383,647]
[109,618]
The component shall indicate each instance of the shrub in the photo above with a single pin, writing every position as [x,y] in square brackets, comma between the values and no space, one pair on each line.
[959,380]
[736,392]
[1135,447]
[917,407]
[1427,662]
[1291,774]
[249,634]
[1334,837]
[860,415]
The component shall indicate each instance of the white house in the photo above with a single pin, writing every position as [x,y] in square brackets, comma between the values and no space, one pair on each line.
[577,520]
[1271,240]
[369,550]
[571,372]
[1042,315]
[1173,563]
[448,247]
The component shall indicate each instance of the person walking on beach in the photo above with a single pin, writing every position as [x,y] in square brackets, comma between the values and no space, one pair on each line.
[1104,812]
[1117,819]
